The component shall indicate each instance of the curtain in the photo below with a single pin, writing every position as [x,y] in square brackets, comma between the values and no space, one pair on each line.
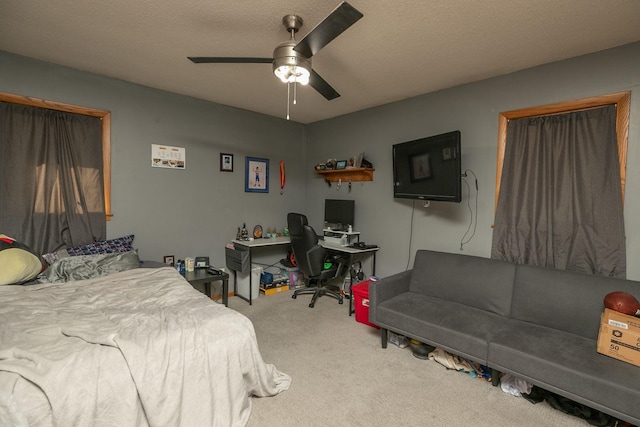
[560,202]
[51,188]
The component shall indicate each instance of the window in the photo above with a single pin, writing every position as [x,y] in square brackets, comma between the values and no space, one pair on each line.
[105,116]
[558,168]
[622,100]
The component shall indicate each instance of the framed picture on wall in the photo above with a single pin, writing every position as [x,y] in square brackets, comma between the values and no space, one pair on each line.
[256,179]
[226,162]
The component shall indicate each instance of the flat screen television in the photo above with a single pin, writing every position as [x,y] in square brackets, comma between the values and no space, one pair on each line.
[339,214]
[428,168]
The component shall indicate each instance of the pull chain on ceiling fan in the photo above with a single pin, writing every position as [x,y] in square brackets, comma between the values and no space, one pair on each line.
[290,66]
[292,61]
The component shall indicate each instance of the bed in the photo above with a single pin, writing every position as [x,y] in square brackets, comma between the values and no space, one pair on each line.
[129,348]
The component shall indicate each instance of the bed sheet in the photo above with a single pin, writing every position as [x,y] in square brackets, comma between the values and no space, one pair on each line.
[140,347]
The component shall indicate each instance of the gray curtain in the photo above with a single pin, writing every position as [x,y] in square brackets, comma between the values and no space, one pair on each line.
[560,202]
[51,182]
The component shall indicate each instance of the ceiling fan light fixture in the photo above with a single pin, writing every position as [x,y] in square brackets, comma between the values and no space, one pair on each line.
[292,74]
[290,66]
[291,61]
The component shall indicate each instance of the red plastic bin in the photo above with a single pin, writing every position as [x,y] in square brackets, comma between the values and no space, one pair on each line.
[361,302]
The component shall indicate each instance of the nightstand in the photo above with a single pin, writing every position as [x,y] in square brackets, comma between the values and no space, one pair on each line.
[199,276]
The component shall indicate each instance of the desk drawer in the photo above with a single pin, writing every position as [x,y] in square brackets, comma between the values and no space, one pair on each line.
[237,259]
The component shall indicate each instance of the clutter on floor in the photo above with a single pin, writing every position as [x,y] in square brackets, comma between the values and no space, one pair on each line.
[509,384]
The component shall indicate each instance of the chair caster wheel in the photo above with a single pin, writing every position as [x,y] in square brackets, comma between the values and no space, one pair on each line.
[311,305]
[340,302]
[294,296]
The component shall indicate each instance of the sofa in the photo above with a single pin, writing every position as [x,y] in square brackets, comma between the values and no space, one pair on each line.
[535,323]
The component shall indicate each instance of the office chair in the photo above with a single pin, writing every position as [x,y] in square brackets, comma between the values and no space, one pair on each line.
[311,258]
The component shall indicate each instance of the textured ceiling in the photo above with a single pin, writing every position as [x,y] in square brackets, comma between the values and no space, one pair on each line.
[399,49]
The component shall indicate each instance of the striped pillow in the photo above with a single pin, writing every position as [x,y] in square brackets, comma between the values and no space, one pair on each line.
[112,246]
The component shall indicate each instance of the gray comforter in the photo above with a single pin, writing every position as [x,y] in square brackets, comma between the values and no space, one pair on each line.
[139,347]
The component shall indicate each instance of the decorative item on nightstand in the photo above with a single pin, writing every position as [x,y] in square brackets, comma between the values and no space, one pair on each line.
[202,262]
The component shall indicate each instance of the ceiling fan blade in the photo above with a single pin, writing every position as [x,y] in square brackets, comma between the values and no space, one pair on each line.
[331,27]
[228,60]
[321,85]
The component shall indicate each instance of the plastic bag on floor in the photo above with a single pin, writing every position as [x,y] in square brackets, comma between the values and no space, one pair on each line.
[514,386]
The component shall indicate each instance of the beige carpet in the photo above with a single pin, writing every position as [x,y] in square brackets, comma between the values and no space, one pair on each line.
[342,376]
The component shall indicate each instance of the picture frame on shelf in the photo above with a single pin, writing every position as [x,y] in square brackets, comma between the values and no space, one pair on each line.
[256,179]
[341,164]
[226,162]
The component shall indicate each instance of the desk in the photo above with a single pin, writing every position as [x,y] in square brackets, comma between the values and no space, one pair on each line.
[353,254]
[250,245]
[200,276]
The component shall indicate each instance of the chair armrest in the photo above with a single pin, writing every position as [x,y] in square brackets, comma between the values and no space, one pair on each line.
[387,288]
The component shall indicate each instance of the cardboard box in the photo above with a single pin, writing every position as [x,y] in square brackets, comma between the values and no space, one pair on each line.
[272,291]
[619,336]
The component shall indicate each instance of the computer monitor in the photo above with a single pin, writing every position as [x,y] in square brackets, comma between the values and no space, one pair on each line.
[339,214]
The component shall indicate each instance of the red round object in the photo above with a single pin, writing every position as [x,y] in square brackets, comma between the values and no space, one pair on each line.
[622,302]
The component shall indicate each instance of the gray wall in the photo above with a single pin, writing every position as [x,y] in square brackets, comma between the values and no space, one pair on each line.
[188,212]
[473,109]
[196,211]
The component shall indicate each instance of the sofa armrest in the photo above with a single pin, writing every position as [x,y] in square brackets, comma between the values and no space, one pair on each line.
[387,288]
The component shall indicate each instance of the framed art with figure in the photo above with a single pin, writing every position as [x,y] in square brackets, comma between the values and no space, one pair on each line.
[226,162]
[256,178]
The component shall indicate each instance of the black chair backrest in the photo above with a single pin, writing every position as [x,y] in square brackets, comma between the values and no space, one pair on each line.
[309,255]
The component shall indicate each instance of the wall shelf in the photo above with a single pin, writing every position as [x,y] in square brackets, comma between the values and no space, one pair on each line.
[349,174]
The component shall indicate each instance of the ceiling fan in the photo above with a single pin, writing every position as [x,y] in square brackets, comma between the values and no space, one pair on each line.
[292,60]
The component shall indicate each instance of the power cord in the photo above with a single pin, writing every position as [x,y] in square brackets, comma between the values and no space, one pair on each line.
[413,210]
[472,222]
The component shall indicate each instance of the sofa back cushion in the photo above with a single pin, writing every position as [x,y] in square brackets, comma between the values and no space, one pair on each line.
[473,281]
[564,300]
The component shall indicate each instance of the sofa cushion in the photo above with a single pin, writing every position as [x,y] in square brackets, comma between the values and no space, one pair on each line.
[473,281]
[566,364]
[564,300]
[453,327]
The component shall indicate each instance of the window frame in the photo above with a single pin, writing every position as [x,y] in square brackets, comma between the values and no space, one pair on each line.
[622,100]
[105,117]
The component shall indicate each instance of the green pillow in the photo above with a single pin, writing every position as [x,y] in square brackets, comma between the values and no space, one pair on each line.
[18,263]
